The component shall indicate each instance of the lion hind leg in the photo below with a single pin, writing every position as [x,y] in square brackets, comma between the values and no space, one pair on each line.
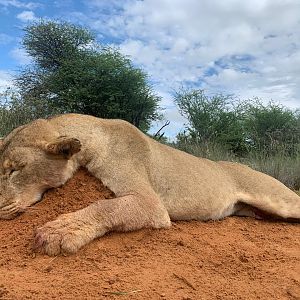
[282,207]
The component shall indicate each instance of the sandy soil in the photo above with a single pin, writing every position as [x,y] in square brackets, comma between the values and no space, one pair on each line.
[237,258]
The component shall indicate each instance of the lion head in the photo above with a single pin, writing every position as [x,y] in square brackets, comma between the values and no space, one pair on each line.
[33,158]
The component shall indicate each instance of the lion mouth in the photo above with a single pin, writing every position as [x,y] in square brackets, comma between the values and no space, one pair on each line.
[11,211]
[14,209]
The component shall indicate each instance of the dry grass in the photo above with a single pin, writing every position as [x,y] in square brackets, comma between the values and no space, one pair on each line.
[280,165]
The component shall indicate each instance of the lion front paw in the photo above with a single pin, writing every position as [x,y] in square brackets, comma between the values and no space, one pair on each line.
[65,235]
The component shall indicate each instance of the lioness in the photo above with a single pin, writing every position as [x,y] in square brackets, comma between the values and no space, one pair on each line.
[153,183]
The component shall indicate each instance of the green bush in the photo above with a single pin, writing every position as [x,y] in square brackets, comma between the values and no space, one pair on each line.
[240,127]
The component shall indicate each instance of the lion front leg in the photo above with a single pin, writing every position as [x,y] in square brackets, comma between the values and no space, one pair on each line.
[69,232]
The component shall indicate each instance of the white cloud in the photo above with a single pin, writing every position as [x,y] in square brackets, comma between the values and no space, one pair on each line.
[20,56]
[197,33]
[5,39]
[19,4]
[5,80]
[26,16]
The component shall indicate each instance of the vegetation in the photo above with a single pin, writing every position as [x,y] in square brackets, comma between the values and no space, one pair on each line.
[216,119]
[13,112]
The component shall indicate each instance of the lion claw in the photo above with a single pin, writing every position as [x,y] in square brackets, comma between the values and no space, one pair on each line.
[63,236]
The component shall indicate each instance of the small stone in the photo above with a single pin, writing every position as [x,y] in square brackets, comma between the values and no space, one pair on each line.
[180,243]
[48,269]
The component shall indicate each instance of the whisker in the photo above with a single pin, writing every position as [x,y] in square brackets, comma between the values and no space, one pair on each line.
[32,208]
[8,207]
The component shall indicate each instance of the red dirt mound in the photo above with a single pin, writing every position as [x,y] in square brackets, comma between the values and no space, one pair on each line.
[237,258]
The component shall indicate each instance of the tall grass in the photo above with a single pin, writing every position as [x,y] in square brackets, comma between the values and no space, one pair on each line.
[213,151]
[284,167]
[13,112]
[280,164]
[12,118]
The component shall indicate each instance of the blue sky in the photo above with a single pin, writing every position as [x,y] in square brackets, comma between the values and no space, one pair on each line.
[246,48]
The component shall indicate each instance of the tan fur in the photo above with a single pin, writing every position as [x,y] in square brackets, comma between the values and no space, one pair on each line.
[153,182]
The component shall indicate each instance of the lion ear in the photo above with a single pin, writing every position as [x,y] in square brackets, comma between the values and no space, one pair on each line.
[63,146]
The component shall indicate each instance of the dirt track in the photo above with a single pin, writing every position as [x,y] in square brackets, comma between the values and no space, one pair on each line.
[237,258]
